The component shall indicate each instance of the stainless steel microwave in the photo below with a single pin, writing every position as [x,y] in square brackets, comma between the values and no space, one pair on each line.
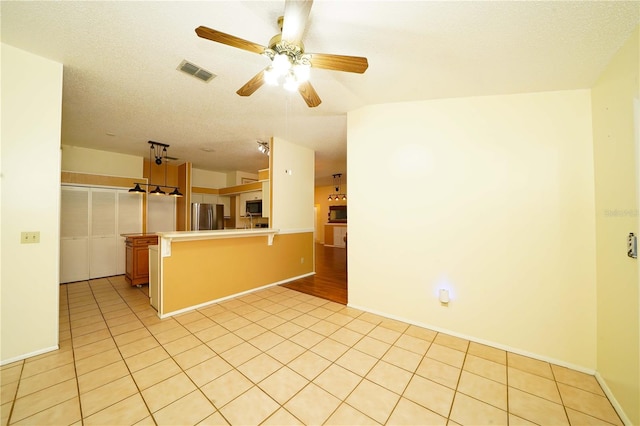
[254,207]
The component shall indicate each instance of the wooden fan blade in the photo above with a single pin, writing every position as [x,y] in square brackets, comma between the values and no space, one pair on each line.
[309,94]
[296,13]
[326,61]
[252,85]
[229,40]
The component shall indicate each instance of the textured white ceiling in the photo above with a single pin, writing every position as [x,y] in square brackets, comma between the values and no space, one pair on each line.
[120,62]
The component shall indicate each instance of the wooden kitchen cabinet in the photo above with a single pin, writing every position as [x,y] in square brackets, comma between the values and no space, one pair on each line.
[137,253]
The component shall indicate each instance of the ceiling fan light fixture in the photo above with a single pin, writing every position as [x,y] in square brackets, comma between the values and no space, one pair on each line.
[290,83]
[281,63]
[271,76]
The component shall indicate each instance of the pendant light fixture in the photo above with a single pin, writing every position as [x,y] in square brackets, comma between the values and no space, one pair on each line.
[157,151]
[337,181]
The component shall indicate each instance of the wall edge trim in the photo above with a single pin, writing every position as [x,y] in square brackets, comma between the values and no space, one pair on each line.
[29,354]
[507,348]
[295,231]
[614,402]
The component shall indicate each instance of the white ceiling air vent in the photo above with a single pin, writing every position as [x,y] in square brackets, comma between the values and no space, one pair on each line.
[196,71]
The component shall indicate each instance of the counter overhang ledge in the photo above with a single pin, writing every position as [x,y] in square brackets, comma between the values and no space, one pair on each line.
[168,237]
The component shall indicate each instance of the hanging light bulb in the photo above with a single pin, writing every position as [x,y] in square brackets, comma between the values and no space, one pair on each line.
[137,189]
[176,193]
[344,197]
[157,191]
[290,83]
[281,63]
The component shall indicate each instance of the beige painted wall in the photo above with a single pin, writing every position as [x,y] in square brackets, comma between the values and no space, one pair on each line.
[616,149]
[30,200]
[85,160]
[292,183]
[208,178]
[492,200]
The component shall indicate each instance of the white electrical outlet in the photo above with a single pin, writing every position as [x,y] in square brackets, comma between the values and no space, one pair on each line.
[30,237]
[301,260]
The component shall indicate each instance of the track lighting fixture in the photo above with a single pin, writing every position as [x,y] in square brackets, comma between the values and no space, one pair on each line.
[337,180]
[157,151]
[263,147]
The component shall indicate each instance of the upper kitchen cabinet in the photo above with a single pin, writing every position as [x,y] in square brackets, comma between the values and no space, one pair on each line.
[197,197]
[211,196]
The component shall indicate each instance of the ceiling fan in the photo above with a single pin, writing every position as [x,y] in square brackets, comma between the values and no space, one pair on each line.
[289,62]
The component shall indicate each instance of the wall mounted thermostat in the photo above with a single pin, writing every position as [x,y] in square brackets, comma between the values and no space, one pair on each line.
[632,246]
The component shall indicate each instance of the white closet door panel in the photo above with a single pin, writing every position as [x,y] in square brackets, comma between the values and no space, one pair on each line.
[161,215]
[129,213]
[102,243]
[74,259]
[74,212]
[103,213]
[129,222]
[102,255]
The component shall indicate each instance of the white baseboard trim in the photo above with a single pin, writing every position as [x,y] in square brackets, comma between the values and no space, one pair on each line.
[616,405]
[232,296]
[507,348]
[29,355]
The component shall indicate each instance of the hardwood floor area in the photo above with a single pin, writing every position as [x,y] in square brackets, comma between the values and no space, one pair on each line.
[330,280]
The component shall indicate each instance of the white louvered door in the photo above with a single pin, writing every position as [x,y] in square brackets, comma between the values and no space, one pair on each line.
[129,222]
[74,234]
[91,222]
[102,241]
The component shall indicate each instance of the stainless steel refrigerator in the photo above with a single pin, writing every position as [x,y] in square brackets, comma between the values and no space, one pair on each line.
[207,216]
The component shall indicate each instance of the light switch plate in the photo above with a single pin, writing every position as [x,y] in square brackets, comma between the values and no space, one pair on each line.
[30,237]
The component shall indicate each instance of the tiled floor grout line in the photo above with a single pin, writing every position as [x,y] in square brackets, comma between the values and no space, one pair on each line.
[306,349]
[282,406]
[506,379]
[15,396]
[73,353]
[555,382]
[455,391]
[99,291]
[119,351]
[218,354]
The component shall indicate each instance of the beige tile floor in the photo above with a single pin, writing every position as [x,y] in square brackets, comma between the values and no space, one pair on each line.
[278,357]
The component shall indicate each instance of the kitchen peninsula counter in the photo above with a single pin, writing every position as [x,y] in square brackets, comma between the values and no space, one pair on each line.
[197,268]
